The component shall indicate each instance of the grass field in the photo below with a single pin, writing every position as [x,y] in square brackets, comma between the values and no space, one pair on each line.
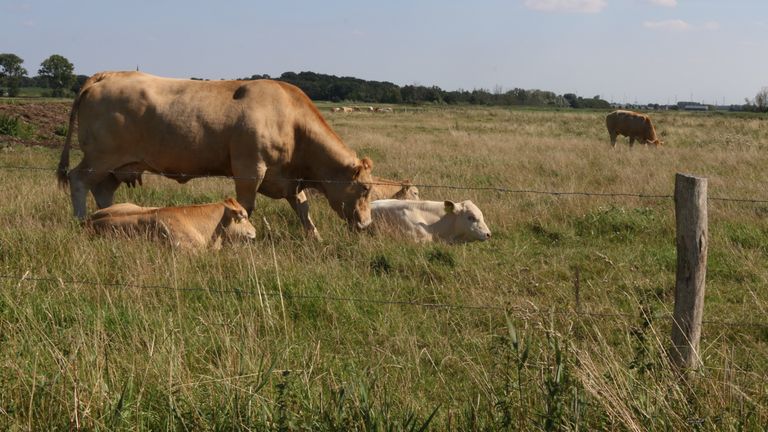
[289,334]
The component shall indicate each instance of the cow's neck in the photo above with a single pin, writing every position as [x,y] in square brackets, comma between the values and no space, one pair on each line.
[324,156]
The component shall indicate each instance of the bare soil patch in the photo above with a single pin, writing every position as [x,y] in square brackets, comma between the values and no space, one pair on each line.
[49,120]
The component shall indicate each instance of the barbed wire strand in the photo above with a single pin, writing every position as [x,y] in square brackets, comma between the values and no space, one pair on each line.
[426,305]
[499,189]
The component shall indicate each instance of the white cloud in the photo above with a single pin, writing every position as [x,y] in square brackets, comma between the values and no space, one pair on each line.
[679,25]
[665,3]
[583,6]
[670,25]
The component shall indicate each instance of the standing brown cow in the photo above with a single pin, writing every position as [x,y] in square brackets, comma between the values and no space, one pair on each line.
[265,134]
[633,125]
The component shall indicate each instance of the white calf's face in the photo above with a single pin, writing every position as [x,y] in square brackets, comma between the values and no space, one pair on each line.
[469,224]
[412,193]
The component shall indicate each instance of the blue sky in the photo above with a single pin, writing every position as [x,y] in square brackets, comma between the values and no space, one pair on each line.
[623,50]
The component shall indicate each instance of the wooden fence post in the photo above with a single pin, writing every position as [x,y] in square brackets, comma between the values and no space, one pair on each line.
[692,238]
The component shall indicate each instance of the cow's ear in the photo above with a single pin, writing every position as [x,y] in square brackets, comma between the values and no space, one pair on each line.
[231,203]
[450,206]
[364,164]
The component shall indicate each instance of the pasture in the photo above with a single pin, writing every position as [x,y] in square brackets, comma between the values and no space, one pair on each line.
[366,331]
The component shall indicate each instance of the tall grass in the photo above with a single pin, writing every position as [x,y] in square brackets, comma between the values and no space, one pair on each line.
[275,335]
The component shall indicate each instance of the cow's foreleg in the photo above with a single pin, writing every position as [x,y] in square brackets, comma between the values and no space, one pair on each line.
[247,182]
[613,140]
[300,205]
[104,191]
[631,142]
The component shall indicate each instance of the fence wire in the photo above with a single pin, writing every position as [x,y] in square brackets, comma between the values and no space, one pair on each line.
[498,189]
[518,311]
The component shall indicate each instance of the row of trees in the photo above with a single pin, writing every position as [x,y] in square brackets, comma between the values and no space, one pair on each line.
[55,73]
[337,89]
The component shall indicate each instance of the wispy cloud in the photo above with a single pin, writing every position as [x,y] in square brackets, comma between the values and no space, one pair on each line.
[678,25]
[665,3]
[668,25]
[580,6]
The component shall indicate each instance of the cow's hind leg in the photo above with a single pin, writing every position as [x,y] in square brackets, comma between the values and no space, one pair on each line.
[81,179]
[104,191]
[300,205]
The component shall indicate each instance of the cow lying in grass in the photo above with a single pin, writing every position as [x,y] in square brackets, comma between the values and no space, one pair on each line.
[382,188]
[187,227]
[427,221]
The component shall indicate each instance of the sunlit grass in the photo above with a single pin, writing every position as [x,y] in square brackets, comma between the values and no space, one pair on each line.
[274,335]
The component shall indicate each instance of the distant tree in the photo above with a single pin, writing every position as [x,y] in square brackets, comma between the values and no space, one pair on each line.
[761,99]
[58,71]
[78,83]
[11,73]
[572,99]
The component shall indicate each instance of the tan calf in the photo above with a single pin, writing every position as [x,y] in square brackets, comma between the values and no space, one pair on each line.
[186,227]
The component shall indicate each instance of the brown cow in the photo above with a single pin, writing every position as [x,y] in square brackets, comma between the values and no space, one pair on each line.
[393,189]
[634,125]
[186,227]
[265,134]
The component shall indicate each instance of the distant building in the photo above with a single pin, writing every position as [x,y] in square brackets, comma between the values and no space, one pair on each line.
[692,106]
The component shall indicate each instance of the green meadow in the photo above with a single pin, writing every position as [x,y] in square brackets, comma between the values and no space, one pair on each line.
[365,331]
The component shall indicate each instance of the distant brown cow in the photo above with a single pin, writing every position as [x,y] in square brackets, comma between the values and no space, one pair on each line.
[187,227]
[393,189]
[633,125]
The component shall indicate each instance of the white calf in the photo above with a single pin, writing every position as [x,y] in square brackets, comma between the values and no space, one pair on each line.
[432,220]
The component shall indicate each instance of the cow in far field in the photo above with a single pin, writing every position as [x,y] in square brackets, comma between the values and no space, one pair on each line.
[186,227]
[426,221]
[347,109]
[382,188]
[634,125]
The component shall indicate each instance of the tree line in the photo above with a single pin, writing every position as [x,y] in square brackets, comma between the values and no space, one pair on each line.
[56,73]
[337,89]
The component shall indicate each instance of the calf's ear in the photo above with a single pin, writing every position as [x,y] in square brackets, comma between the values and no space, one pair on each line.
[450,206]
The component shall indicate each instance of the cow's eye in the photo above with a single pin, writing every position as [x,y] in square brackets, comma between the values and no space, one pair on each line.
[472,218]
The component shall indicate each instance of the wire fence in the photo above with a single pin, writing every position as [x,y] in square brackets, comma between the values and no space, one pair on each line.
[498,189]
[513,310]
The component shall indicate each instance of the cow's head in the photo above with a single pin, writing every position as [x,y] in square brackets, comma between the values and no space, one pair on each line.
[408,192]
[348,196]
[468,223]
[235,224]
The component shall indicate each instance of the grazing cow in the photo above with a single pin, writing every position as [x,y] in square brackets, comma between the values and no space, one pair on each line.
[335,109]
[392,189]
[186,227]
[265,134]
[432,220]
[634,125]
[347,109]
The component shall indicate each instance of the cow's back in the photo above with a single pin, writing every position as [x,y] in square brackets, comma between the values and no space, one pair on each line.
[132,119]
[627,123]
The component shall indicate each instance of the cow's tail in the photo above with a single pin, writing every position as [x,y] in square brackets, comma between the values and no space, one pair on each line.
[61,171]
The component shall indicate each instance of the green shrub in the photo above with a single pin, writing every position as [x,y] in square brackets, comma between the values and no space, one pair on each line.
[13,126]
